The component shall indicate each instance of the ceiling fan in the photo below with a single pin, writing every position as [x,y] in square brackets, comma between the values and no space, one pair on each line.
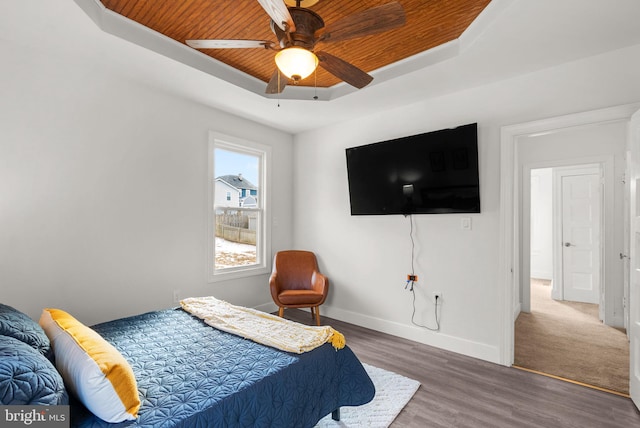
[299,29]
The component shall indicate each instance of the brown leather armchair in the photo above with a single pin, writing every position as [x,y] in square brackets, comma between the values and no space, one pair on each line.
[295,282]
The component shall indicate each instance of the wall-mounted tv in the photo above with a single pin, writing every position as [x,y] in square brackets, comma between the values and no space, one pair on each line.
[431,173]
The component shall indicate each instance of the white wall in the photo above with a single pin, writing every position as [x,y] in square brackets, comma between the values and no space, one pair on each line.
[103,190]
[541,223]
[367,258]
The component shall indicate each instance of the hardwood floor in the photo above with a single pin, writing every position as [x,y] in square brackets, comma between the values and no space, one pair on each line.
[460,391]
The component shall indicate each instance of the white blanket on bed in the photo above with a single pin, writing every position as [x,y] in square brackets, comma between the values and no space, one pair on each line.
[261,327]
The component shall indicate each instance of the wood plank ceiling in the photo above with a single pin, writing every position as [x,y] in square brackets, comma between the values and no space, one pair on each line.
[430,23]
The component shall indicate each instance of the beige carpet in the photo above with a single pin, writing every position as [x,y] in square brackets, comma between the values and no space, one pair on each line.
[566,339]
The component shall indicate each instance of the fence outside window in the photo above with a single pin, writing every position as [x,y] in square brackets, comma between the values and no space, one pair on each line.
[236,225]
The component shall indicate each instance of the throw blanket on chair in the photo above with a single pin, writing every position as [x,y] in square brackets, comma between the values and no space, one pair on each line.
[261,327]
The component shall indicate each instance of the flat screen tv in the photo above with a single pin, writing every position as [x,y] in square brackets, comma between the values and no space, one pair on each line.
[431,173]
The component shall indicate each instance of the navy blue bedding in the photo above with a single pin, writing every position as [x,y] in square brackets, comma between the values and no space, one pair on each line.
[27,377]
[192,375]
[16,324]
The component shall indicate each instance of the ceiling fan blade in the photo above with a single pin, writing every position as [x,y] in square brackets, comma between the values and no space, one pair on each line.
[279,13]
[275,87]
[371,21]
[228,44]
[345,71]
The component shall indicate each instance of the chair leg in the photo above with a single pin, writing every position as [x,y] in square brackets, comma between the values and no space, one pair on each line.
[317,315]
[313,313]
[281,312]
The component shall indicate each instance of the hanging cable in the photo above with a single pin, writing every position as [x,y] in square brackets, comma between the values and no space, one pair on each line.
[413,314]
[413,244]
[410,284]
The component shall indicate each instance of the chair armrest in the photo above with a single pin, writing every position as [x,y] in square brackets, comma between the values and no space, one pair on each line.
[319,282]
[273,286]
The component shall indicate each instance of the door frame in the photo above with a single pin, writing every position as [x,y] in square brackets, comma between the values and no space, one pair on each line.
[510,254]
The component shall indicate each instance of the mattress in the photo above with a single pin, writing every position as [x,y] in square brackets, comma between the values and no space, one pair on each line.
[192,375]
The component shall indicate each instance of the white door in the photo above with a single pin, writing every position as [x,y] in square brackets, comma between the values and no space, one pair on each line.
[634,286]
[581,220]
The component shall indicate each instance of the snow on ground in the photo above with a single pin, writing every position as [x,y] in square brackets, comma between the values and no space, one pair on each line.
[230,254]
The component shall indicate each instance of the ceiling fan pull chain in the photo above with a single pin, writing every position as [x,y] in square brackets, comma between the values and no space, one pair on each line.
[315,84]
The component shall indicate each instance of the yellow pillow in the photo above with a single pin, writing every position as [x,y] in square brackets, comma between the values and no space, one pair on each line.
[92,368]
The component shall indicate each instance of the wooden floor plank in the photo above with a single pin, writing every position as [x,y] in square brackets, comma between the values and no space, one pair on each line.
[460,391]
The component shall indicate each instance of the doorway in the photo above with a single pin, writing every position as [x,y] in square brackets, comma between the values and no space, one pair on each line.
[561,333]
[515,154]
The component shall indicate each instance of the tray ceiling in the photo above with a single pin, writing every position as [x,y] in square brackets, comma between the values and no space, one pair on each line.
[430,23]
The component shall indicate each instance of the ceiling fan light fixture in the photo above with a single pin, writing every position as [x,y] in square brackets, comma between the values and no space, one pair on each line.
[296,63]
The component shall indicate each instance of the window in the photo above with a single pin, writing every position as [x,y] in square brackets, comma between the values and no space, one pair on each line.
[237,236]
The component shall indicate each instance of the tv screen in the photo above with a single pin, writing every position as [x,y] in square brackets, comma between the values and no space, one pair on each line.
[431,173]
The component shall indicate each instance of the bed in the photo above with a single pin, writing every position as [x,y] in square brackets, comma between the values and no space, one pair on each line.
[190,374]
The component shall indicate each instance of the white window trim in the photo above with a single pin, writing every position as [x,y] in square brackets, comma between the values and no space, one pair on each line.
[232,143]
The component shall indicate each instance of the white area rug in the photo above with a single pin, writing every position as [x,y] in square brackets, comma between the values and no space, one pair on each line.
[393,392]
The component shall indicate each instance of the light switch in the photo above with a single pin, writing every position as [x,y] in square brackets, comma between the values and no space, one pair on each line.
[465,223]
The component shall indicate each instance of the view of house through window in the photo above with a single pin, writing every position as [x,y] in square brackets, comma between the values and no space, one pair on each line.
[237,208]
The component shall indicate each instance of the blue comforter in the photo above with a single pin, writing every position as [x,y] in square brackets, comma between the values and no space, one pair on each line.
[192,375]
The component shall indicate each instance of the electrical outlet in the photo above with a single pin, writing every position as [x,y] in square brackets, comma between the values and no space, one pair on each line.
[437,297]
[176,296]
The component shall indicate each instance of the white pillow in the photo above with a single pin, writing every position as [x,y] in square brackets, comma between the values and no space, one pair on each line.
[92,368]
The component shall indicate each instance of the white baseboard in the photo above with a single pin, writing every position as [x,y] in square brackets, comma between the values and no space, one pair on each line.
[516,311]
[616,321]
[410,332]
[417,334]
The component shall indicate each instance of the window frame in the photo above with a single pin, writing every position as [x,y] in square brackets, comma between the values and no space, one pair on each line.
[263,244]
